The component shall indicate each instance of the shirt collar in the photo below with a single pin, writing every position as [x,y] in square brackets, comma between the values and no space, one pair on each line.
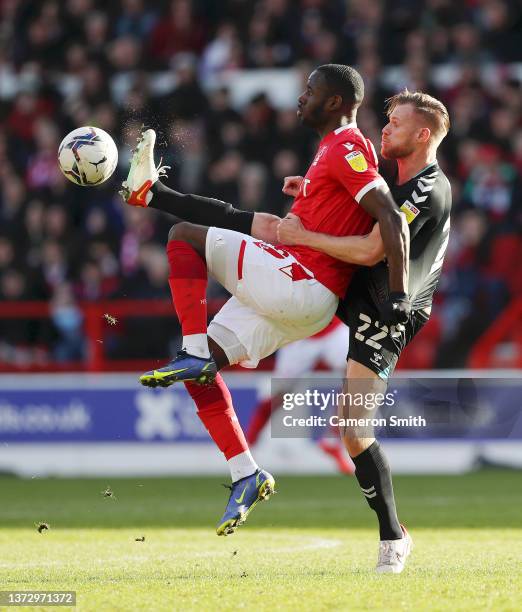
[432,165]
[348,126]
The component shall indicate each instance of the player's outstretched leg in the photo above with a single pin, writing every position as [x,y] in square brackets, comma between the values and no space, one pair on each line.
[188,277]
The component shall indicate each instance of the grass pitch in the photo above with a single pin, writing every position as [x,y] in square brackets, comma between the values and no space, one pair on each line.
[313,546]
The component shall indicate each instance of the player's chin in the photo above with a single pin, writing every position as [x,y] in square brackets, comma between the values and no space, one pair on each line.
[386,152]
[305,120]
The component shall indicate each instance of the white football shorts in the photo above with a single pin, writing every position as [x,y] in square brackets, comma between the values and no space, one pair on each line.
[275,299]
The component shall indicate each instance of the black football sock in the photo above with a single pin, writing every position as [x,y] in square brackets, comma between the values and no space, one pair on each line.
[200,210]
[374,475]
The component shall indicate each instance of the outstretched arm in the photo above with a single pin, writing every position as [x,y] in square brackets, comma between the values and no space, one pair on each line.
[361,250]
[395,235]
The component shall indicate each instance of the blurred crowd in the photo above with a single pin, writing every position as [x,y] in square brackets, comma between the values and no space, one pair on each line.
[128,63]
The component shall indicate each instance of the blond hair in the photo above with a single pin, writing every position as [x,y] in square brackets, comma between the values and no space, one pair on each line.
[425,105]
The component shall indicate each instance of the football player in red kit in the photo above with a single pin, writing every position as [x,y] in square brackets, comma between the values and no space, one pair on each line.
[279,294]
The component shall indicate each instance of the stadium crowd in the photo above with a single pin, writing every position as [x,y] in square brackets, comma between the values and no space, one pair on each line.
[122,64]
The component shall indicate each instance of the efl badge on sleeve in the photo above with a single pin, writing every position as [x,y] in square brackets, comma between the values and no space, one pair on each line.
[410,211]
[357,161]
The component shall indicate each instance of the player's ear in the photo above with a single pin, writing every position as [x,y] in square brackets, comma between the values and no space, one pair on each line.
[424,134]
[334,103]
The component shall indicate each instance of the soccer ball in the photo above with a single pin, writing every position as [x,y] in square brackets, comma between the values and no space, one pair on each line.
[87,156]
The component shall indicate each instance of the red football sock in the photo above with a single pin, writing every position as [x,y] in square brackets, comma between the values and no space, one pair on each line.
[188,285]
[259,419]
[217,413]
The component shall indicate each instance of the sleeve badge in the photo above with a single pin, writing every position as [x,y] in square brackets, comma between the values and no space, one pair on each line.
[410,210]
[357,161]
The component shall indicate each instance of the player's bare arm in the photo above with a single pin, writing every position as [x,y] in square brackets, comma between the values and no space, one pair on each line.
[264,227]
[364,250]
[395,235]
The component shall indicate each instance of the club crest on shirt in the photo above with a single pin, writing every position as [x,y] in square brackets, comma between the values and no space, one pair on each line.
[410,211]
[357,161]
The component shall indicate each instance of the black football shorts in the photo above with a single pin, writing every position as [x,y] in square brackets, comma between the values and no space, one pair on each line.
[373,344]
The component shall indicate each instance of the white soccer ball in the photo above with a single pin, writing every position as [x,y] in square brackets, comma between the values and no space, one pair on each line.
[88,156]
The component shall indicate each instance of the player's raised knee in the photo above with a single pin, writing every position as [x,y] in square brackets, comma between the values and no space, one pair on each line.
[180,231]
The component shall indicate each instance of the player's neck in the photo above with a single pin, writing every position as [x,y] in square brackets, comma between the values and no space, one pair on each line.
[410,166]
[336,123]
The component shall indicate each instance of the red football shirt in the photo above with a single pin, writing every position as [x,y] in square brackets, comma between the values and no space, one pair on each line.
[344,169]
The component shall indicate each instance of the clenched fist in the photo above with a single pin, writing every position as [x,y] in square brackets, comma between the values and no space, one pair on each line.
[290,230]
[291,185]
[396,310]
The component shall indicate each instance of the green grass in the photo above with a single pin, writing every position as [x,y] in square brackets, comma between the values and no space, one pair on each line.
[312,547]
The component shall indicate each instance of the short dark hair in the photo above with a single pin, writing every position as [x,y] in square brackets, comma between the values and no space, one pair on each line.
[433,110]
[344,81]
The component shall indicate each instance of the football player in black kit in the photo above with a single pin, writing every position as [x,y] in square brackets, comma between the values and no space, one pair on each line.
[416,126]
[417,123]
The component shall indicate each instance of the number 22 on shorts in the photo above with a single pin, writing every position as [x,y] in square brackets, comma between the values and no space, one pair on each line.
[382,333]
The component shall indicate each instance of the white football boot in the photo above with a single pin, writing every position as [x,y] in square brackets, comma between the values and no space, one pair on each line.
[143,172]
[393,554]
